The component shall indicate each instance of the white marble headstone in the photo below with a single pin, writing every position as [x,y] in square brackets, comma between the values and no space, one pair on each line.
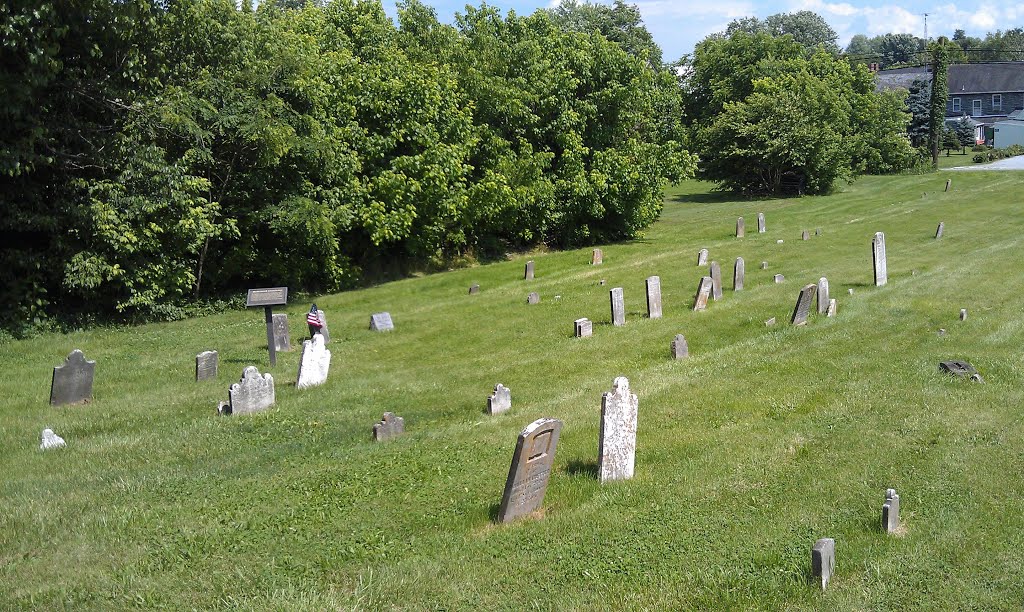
[315,363]
[500,401]
[618,432]
[51,440]
[253,393]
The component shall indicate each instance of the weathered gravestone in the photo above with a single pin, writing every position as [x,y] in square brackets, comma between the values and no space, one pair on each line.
[739,272]
[617,451]
[528,273]
[390,426]
[760,223]
[654,297]
[832,308]
[779,278]
[323,331]
[50,440]
[715,272]
[381,321]
[533,298]
[597,257]
[530,470]
[823,560]
[206,365]
[314,364]
[949,183]
[803,304]
[253,393]
[72,381]
[499,401]
[618,306]
[960,369]
[679,348]
[740,227]
[963,314]
[878,257]
[702,257]
[282,337]
[806,235]
[700,301]
[817,231]
[891,511]
[940,229]
[583,328]
[764,265]
[474,289]
[769,322]
[823,296]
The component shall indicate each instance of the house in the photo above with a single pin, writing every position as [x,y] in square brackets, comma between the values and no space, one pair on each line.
[1009,131]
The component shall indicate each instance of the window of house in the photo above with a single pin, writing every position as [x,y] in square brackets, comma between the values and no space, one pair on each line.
[975,107]
[997,101]
[956,105]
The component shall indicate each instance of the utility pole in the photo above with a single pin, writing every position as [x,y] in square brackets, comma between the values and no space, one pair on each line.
[926,28]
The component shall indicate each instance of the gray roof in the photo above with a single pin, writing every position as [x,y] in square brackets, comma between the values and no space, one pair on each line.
[900,78]
[996,77]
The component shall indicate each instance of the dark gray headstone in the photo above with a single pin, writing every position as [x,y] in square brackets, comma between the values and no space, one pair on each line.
[583,328]
[823,295]
[715,272]
[499,401]
[760,223]
[597,257]
[740,227]
[72,381]
[891,512]
[679,348]
[806,235]
[823,560]
[390,426]
[878,257]
[739,272]
[617,447]
[253,393]
[474,289]
[530,470]
[282,337]
[618,306]
[206,365]
[960,369]
[654,297]
[533,298]
[528,272]
[702,257]
[803,304]
[940,229]
[381,321]
[704,288]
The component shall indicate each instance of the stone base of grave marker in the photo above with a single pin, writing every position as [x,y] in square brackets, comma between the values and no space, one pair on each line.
[617,447]
[823,560]
[499,401]
[50,440]
[389,427]
[530,470]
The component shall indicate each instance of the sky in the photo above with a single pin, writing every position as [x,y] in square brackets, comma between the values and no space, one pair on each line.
[678,25]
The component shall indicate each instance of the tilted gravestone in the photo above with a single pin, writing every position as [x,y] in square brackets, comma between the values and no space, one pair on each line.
[740,227]
[474,289]
[679,348]
[499,401]
[390,426]
[823,560]
[282,337]
[314,364]
[702,257]
[618,307]
[891,511]
[617,452]
[832,308]
[530,470]
[253,393]
[739,272]
[528,272]
[803,304]
[381,322]
[823,296]
[72,381]
[583,328]
[940,229]
[654,297]
[760,223]
[597,257]
[533,298]
[806,235]
[700,301]
[779,278]
[715,272]
[206,365]
[878,257]
[323,331]
[50,440]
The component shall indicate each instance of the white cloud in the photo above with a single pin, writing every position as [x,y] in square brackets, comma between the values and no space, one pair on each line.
[730,9]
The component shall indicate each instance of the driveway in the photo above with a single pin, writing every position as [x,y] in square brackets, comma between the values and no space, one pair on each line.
[1010,163]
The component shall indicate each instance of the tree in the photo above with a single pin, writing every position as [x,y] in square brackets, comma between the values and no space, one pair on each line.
[919,107]
[965,131]
[940,51]
[861,47]
[807,28]
[900,49]
[950,140]
[620,23]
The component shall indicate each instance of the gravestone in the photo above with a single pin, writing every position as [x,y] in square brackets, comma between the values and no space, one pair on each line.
[739,272]
[764,265]
[769,322]
[597,257]
[740,227]
[940,229]
[823,560]
[618,306]
[715,272]
[323,331]
[206,365]
[878,257]
[50,440]
[779,241]
[949,183]
[779,278]
[381,321]
[530,470]
[702,257]
[823,295]
[223,408]
[654,297]
[314,364]
[891,511]
[760,223]
[282,337]
[72,381]
[850,291]
[533,298]
[679,348]
[817,231]
[583,328]
[390,426]
[499,401]
[617,449]
[528,273]
[253,393]
[803,304]
[474,289]
[700,301]
[806,235]
[963,314]
[832,307]
[960,369]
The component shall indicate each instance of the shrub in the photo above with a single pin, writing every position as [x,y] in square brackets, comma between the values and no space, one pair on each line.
[979,148]
[979,158]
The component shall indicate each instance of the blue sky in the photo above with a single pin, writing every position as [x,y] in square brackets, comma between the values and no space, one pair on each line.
[678,26]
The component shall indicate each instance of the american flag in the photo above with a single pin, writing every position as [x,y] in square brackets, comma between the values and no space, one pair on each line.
[313,318]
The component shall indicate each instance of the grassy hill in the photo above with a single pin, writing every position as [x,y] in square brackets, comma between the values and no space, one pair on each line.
[764,440]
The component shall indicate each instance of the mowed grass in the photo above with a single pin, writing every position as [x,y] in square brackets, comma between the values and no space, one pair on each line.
[764,440]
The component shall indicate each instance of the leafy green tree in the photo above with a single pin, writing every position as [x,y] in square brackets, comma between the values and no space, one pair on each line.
[950,140]
[806,27]
[900,49]
[620,23]
[940,51]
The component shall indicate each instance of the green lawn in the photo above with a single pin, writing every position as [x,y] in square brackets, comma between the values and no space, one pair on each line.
[764,440]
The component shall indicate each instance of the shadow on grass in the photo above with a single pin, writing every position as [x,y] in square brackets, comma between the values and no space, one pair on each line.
[584,468]
[492,512]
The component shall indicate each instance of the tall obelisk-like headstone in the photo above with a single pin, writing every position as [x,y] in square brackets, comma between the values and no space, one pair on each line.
[878,256]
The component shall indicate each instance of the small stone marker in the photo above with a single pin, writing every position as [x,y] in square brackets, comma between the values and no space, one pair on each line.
[803,304]
[72,381]
[769,322]
[323,331]
[282,337]
[499,401]
[949,183]
[583,328]
[700,301]
[740,227]
[878,256]
[806,235]
[779,241]
[530,470]
[617,452]
[206,365]
[474,289]
[823,560]
[940,229]
[739,271]
[702,257]
[832,308]
[618,307]
[823,296]
[715,272]
[533,298]
[528,273]
[51,440]
[314,364]
[779,278]
[224,408]
[597,257]
[601,282]
[850,291]
[960,369]
[679,348]
[963,314]
[381,321]
[654,297]
[817,231]
[390,426]
[942,332]
[253,393]
[764,265]
[891,511]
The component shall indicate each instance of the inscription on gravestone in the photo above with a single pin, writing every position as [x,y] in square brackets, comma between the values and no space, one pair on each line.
[760,223]
[314,364]
[702,257]
[939,230]
[499,401]
[533,298]
[282,337]
[679,348]
[528,273]
[654,297]
[891,511]
[617,452]
[381,321]
[823,560]
[700,301]
[740,227]
[530,470]
[72,381]
[618,307]
[803,304]
[715,272]
[253,393]
[583,328]
[597,257]
[739,272]
[206,365]
[823,296]
[878,257]
[390,426]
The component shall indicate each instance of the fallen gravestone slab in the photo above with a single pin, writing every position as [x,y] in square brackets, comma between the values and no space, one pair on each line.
[617,449]
[206,365]
[72,381]
[960,369]
[499,401]
[891,511]
[530,470]
[381,322]
[253,393]
[50,440]
[314,364]
[823,560]
[389,427]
